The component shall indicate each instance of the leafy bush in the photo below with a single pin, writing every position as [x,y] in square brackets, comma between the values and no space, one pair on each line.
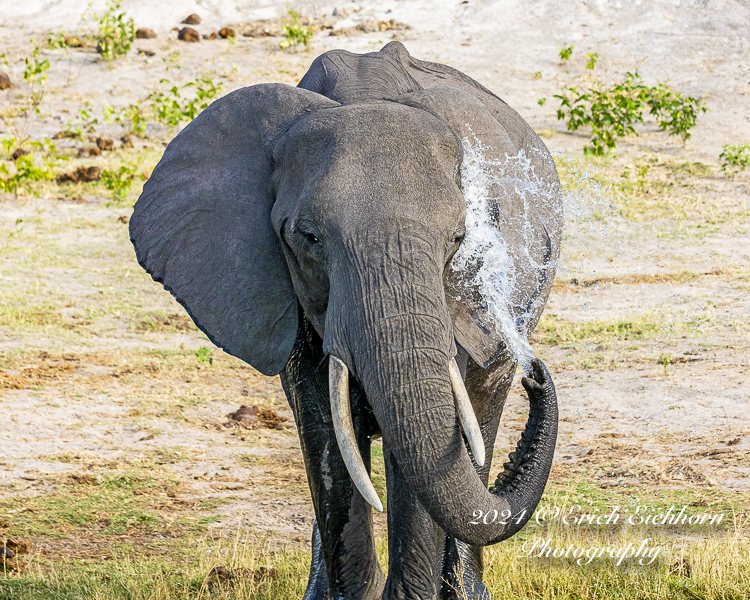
[204,355]
[35,69]
[119,182]
[593,57]
[294,33]
[171,109]
[133,117]
[29,166]
[34,74]
[736,158]
[56,41]
[566,53]
[612,112]
[116,33]
[86,121]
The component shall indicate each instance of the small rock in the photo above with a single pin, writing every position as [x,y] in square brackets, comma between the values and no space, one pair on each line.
[127,141]
[18,153]
[255,417]
[188,34]
[11,564]
[89,151]
[211,36]
[105,144]
[142,52]
[81,175]
[73,41]
[4,81]
[244,413]
[192,20]
[18,546]
[124,219]
[343,32]
[219,574]
[260,573]
[82,478]
[63,135]
[145,34]
[4,523]
[255,29]
[227,32]
[681,568]
[6,553]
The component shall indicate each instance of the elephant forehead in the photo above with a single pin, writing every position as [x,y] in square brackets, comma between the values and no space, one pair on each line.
[375,159]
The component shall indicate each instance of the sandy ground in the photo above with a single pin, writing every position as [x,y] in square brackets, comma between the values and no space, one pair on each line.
[98,364]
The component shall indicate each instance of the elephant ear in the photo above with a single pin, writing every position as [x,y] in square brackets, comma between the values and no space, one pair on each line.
[202,226]
[499,280]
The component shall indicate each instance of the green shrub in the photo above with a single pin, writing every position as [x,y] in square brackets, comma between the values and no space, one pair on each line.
[676,113]
[566,53]
[119,182]
[171,109]
[34,74]
[736,158]
[133,117]
[294,33]
[593,57]
[29,168]
[204,355]
[115,34]
[86,121]
[56,41]
[612,112]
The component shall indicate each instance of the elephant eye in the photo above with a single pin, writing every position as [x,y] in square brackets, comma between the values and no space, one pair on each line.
[310,237]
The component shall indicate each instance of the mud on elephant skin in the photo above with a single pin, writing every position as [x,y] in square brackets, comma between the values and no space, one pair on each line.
[315,232]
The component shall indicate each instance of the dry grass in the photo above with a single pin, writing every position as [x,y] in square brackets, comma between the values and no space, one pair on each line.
[681,564]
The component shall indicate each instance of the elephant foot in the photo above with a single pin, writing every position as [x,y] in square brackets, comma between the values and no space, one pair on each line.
[462,573]
[317,583]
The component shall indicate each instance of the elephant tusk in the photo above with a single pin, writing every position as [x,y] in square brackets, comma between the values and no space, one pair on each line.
[338,382]
[466,413]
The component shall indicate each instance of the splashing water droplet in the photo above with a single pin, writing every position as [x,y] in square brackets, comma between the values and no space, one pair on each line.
[484,263]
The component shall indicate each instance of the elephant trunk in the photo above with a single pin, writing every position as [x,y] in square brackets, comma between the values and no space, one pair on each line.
[399,342]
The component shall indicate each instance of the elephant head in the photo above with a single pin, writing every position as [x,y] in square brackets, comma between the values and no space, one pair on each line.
[345,198]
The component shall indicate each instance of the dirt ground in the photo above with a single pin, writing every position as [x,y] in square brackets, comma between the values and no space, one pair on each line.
[647,332]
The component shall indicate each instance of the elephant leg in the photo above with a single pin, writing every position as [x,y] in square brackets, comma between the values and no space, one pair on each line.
[317,582]
[415,541]
[463,564]
[344,518]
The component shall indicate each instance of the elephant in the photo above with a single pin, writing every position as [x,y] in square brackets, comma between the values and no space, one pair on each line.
[314,232]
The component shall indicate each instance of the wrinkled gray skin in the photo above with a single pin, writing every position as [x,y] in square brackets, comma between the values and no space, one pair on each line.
[294,223]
